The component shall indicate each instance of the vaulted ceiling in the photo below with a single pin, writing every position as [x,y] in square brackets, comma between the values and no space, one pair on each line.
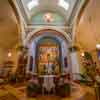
[87,35]
[67,8]
[8,25]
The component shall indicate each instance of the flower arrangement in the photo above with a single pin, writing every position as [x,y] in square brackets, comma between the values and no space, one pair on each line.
[89,68]
[33,88]
[63,89]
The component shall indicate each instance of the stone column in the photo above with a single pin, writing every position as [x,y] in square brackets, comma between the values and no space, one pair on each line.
[74,65]
[33,54]
[64,51]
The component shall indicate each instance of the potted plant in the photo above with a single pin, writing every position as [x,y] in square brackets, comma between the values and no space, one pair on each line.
[87,56]
[66,90]
[89,67]
[33,89]
[63,89]
[13,78]
[84,79]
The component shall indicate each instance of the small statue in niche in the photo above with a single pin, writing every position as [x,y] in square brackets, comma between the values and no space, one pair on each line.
[44,69]
[54,65]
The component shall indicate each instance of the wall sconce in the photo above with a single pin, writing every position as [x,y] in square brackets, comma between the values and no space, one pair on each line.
[82,54]
[98,51]
[9,54]
[98,46]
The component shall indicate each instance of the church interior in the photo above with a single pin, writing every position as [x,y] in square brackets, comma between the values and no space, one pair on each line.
[49,50]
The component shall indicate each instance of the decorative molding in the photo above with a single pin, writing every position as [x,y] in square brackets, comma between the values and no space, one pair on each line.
[44,29]
[77,18]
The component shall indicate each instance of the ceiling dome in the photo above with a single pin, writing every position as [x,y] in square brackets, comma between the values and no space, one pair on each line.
[47,18]
[67,8]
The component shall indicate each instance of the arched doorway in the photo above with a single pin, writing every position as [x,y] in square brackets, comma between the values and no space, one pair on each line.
[55,46]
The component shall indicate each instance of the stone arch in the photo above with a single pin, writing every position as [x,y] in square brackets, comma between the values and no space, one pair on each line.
[34,38]
[37,32]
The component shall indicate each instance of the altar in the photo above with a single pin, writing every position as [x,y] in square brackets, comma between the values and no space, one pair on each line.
[48,82]
[48,56]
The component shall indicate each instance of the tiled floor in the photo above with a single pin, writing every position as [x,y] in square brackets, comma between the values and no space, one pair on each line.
[48,97]
[9,92]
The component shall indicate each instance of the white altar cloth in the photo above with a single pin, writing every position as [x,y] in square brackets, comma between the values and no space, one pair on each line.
[48,82]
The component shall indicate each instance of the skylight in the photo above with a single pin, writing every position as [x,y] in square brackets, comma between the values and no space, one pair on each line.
[32,4]
[63,4]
